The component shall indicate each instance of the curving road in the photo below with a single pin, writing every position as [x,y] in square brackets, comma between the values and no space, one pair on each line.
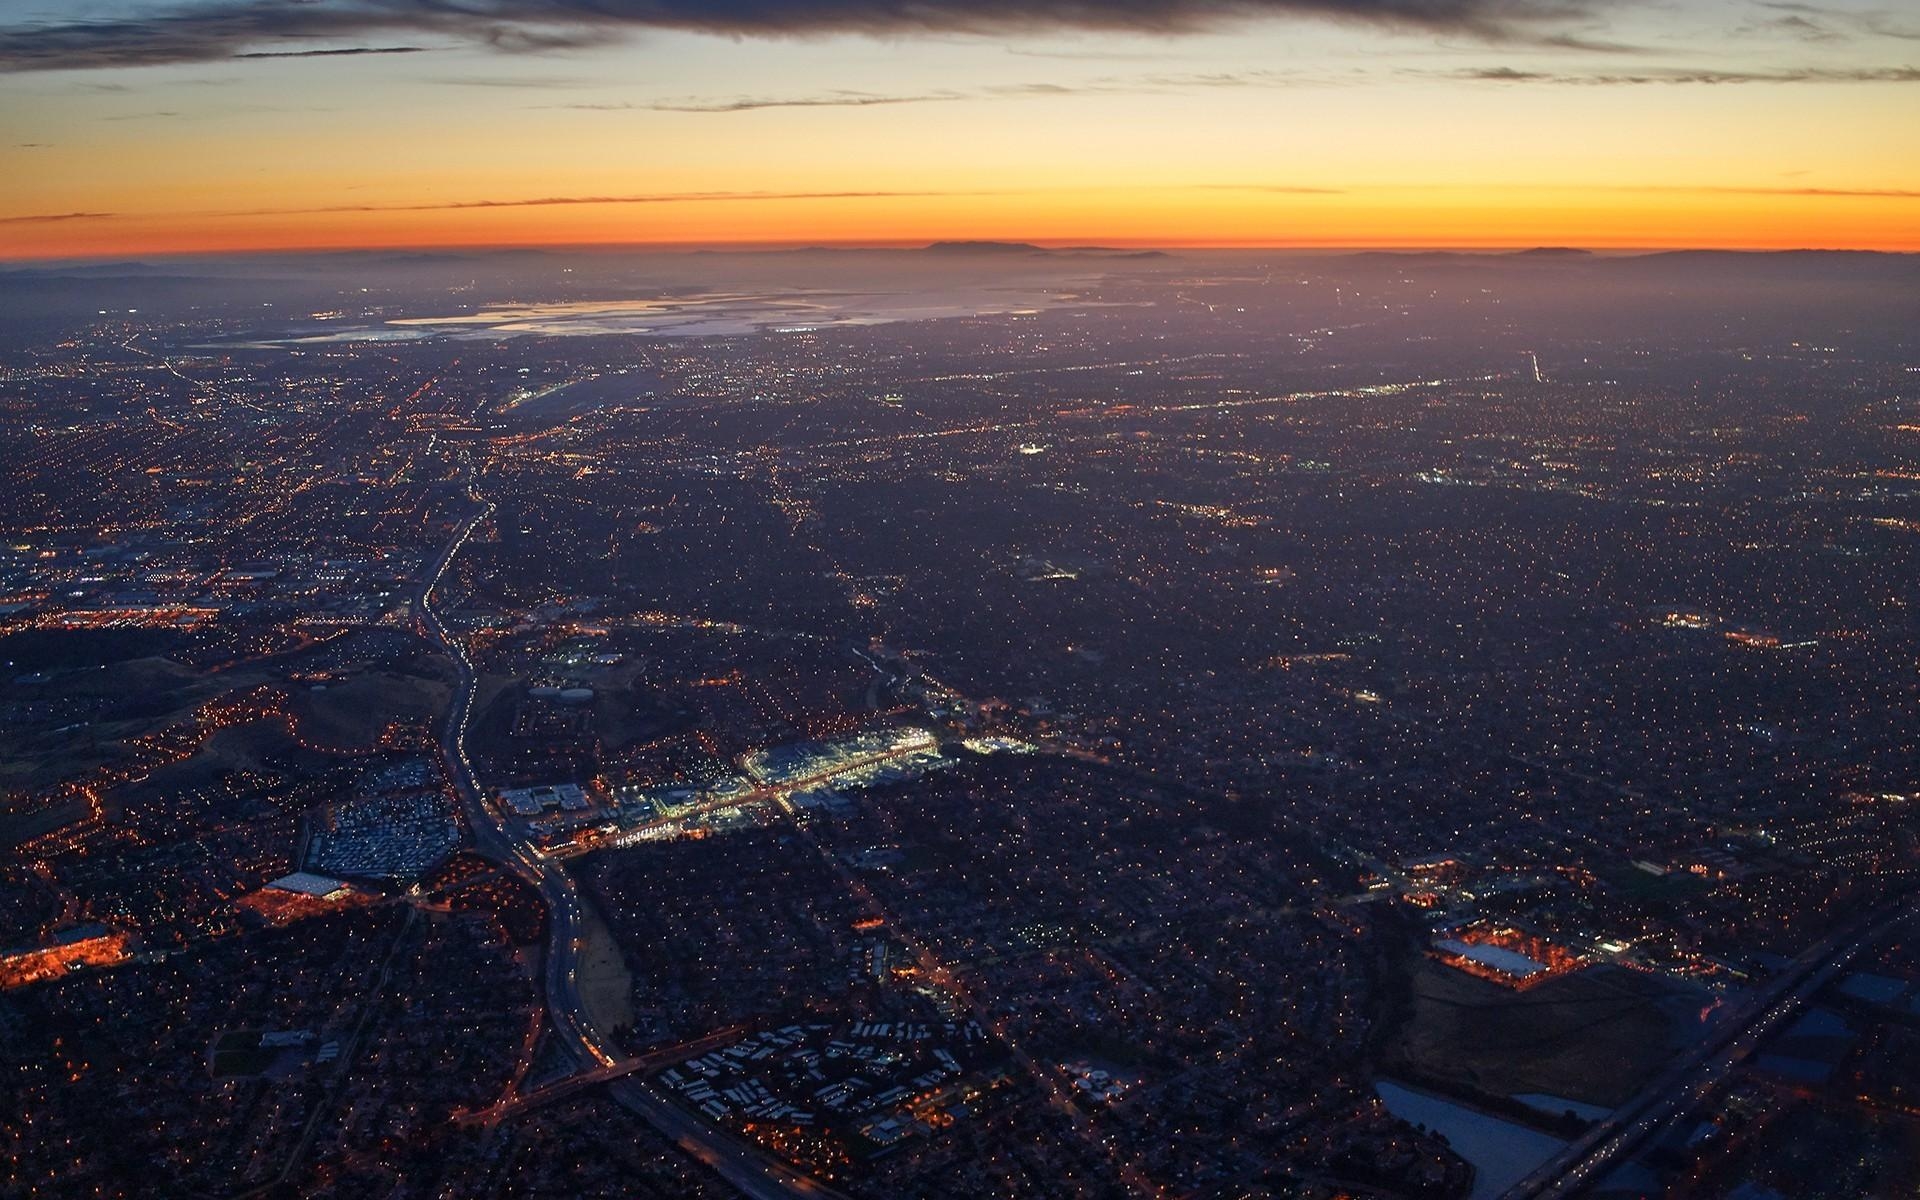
[749,1170]
[494,838]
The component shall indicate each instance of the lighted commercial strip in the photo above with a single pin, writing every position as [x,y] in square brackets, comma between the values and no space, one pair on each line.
[795,778]
[82,946]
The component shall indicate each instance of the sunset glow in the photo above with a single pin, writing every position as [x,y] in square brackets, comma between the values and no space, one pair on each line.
[1705,124]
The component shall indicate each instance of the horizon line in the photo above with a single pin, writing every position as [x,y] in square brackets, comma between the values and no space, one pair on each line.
[1049,244]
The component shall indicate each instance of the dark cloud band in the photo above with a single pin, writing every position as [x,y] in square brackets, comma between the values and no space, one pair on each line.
[226,29]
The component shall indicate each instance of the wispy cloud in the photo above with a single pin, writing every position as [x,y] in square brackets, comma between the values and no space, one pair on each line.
[1587,41]
[335,52]
[212,30]
[1855,193]
[530,202]
[1283,189]
[1257,79]
[564,201]
[1685,75]
[1869,22]
[531,83]
[1795,26]
[1086,55]
[1713,189]
[752,103]
[56,218]
[652,198]
[1108,86]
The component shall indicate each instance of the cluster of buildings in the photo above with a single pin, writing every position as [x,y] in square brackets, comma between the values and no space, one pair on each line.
[300,895]
[865,1085]
[537,801]
[87,945]
[155,580]
[1506,955]
[846,761]
[796,779]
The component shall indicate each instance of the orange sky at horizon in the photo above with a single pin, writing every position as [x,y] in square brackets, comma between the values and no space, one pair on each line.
[1399,218]
[1283,134]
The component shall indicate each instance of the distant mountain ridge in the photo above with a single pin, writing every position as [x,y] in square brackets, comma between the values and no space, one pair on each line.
[983,248]
[235,283]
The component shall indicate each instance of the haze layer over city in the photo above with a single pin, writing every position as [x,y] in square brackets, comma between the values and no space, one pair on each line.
[851,601]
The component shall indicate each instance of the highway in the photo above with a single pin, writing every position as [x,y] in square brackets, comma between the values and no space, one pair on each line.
[745,1167]
[514,1103]
[1686,1084]
[494,839]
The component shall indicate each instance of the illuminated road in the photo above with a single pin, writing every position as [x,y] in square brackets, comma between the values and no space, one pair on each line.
[493,838]
[749,1170]
[513,1105]
[1692,1079]
[746,1168]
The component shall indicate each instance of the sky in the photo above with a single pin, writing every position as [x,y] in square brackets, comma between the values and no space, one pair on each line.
[143,127]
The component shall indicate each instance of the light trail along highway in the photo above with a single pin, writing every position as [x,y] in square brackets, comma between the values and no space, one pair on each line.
[746,1168]
[1693,1078]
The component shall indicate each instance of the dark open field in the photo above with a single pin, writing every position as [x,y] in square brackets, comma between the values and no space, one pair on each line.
[1595,1036]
